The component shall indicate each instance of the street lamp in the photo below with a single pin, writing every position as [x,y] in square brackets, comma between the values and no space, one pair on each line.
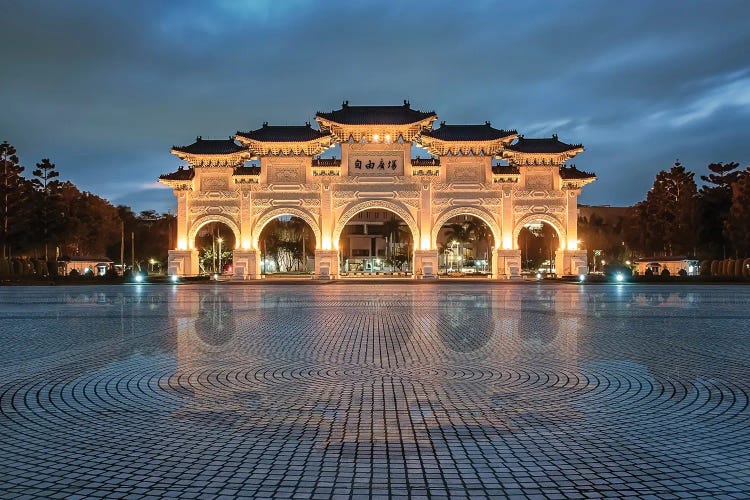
[220,240]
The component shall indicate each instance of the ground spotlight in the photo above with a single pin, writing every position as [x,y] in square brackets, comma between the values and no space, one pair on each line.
[138,278]
[619,277]
[538,276]
[582,278]
[174,278]
[216,277]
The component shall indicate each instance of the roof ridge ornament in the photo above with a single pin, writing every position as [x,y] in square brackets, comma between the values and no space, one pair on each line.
[407,104]
[265,124]
[345,104]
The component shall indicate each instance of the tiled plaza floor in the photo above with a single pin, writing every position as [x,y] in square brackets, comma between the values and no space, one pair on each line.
[338,390]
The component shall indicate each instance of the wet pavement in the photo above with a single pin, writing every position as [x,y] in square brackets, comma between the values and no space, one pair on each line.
[338,390]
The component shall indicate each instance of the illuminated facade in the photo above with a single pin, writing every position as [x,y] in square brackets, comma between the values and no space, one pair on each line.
[504,179]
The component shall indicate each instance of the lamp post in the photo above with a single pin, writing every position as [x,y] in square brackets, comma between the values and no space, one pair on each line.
[220,239]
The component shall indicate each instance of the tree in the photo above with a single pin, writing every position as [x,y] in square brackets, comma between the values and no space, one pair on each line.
[47,213]
[715,200]
[738,222]
[12,198]
[668,216]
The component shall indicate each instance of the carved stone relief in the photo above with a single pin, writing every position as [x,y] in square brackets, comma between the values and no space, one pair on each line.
[214,183]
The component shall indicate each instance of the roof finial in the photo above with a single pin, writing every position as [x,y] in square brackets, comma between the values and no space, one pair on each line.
[406,103]
[199,138]
[265,124]
[442,123]
[345,104]
[307,124]
[487,122]
[554,136]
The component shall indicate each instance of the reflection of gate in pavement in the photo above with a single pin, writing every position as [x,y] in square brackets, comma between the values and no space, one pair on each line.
[496,175]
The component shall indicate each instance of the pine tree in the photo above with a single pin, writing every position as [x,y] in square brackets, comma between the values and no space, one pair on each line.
[12,197]
[670,212]
[738,222]
[715,200]
[47,210]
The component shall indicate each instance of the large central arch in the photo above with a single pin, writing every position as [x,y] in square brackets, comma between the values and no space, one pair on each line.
[273,213]
[357,207]
[485,216]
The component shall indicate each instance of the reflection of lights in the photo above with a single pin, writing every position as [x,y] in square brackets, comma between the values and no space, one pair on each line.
[174,278]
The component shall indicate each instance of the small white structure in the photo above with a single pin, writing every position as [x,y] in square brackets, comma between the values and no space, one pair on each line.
[84,265]
[674,265]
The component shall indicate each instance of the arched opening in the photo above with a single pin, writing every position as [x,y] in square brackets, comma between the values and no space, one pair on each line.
[375,241]
[215,242]
[538,241]
[465,245]
[287,246]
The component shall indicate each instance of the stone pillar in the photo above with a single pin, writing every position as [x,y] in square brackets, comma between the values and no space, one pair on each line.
[246,218]
[425,264]
[425,219]
[246,265]
[571,263]
[508,264]
[326,264]
[506,219]
[571,218]
[182,220]
[183,262]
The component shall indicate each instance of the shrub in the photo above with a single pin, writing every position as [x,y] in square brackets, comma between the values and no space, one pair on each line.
[74,273]
[648,272]
[681,272]
[746,268]
[4,267]
[715,268]
[665,273]
[737,268]
[52,268]
[40,268]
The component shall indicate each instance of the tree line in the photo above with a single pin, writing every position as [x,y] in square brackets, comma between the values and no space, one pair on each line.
[679,217]
[43,218]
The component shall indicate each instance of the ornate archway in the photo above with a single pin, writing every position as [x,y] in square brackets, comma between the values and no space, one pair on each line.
[485,216]
[556,224]
[397,208]
[207,219]
[273,213]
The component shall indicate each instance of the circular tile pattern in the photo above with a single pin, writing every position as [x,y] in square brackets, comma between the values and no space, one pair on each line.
[272,391]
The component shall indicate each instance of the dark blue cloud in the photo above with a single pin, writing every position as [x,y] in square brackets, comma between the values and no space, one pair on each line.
[105,89]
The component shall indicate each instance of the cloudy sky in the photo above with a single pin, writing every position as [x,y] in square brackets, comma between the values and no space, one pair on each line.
[104,88]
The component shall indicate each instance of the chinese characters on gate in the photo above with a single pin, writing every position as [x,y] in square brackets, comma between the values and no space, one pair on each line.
[370,165]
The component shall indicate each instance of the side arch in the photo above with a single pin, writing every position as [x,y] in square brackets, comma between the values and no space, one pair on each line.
[485,216]
[207,219]
[556,224]
[357,207]
[273,213]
